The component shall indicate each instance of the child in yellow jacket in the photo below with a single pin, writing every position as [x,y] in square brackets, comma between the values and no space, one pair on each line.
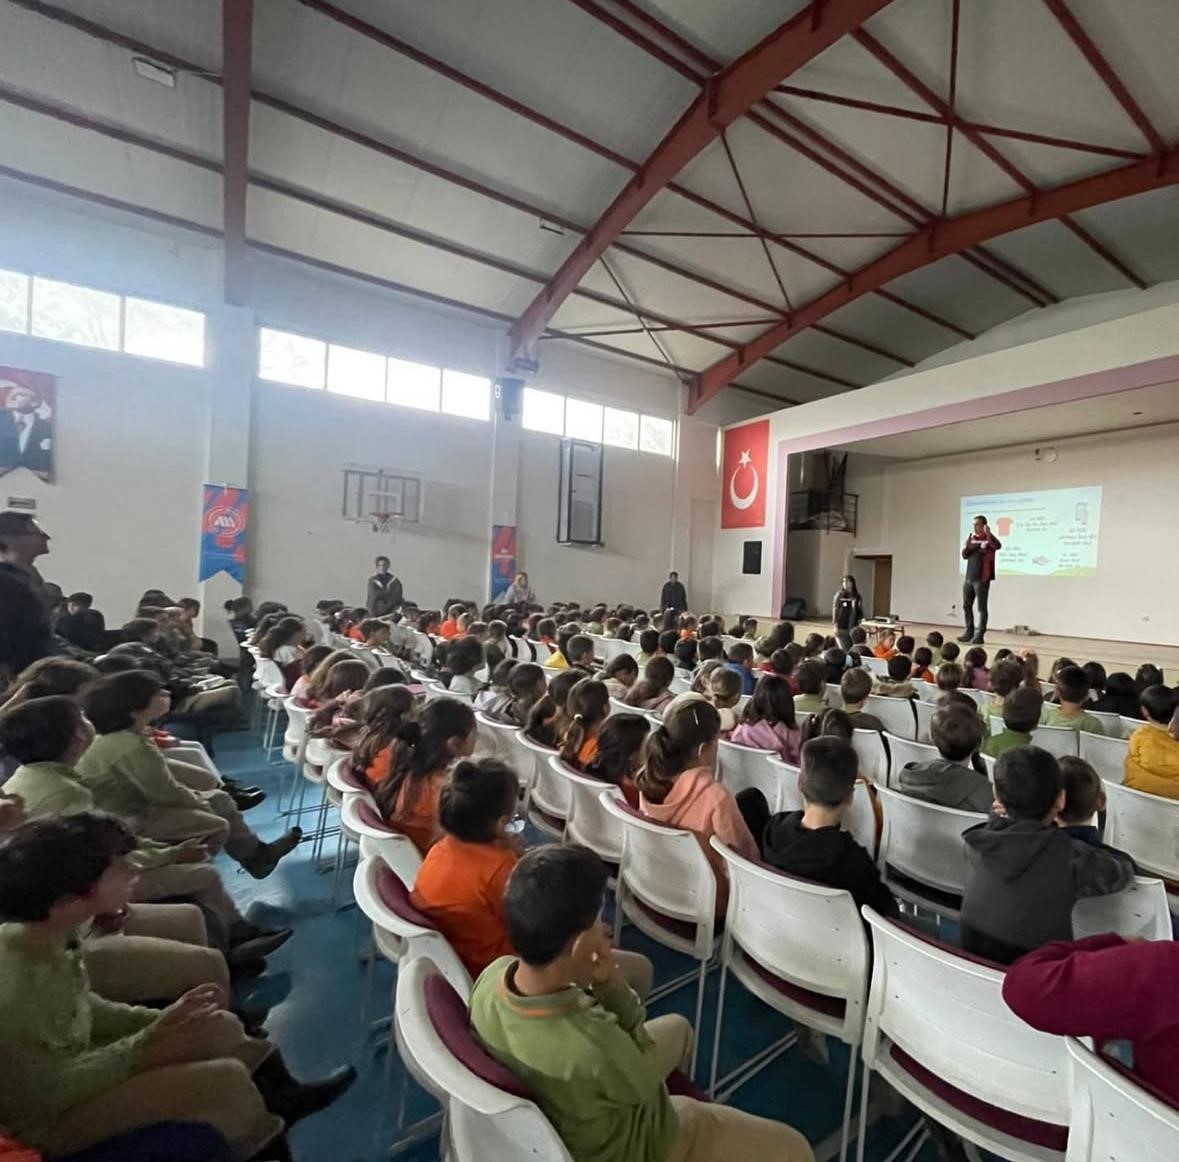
[1152,764]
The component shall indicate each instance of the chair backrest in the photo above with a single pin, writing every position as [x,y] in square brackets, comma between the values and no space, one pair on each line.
[1111,723]
[789,796]
[550,791]
[297,720]
[664,869]
[680,685]
[927,691]
[807,934]
[608,648]
[981,697]
[924,712]
[488,1118]
[876,666]
[989,762]
[1114,1119]
[345,781]
[1146,827]
[267,672]
[896,714]
[946,1011]
[1047,689]
[873,754]
[1139,912]
[834,695]
[1057,740]
[377,838]
[617,706]
[924,841]
[740,767]
[1106,753]
[383,897]
[1129,725]
[860,819]
[494,739]
[904,750]
[997,724]
[525,759]
[588,822]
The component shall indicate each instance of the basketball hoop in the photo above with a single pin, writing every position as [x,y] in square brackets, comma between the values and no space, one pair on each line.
[382,522]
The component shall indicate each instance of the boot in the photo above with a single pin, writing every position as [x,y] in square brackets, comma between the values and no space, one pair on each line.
[257,947]
[967,636]
[279,1150]
[247,798]
[266,855]
[295,1100]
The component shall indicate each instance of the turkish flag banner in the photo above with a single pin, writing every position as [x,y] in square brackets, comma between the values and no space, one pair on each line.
[744,476]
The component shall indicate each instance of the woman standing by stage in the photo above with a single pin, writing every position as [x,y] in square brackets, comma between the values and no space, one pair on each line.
[847,610]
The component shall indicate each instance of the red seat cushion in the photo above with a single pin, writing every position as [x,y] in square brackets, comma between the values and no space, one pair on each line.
[821,1003]
[448,1014]
[1045,1134]
[371,818]
[394,895]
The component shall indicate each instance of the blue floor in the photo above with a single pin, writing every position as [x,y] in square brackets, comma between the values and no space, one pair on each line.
[315,986]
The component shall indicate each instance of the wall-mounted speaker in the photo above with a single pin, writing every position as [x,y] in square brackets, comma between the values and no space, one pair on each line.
[751,557]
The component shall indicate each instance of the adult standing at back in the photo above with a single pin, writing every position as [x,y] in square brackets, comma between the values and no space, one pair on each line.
[384,590]
[979,555]
[673,595]
[519,592]
[847,610]
[25,632]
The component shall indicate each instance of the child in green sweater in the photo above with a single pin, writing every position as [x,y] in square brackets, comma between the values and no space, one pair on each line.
[1021,715]
[561,1017]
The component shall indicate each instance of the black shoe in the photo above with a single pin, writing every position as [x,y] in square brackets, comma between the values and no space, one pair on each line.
[967,636]
[294,1100]
[247,798]
[978,639]
[248,969]
[266,855]
[257,947]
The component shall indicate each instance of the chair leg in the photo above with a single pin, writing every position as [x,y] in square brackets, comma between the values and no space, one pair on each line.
[863,1135]
[716,1037]
[341,841]
[847,1104]
[699,1015]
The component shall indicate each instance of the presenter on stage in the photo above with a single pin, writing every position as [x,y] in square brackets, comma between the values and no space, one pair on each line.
[979,555]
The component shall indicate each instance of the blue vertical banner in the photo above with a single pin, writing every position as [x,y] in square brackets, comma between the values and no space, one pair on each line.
[503,558]
[225,517]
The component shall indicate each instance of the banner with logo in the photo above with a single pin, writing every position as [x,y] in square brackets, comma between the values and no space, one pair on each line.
[28,410]
[225,517]
[503,558]
[744,476]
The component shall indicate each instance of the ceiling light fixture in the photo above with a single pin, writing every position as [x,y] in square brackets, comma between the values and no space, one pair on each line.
[150,71]
[551,227]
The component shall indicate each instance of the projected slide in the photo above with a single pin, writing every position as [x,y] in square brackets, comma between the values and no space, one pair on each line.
[1050,533]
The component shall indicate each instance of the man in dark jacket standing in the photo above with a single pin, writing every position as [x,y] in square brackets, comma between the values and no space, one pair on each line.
[25,632]
[979,555]
[384,590]
[673,595]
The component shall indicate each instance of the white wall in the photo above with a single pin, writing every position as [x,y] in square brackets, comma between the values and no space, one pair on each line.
[1130,597]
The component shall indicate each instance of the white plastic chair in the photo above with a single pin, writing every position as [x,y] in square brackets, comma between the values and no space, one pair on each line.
[981,697]
[925,712]
[525,759]
[800,948]
[997,725]
[860,819]
[903,750]
[494,739]
[1113,1118]
[872,751]
[739,767]
[617,706]
[1146,827]
[1139,912]
[378,839]
[1129,725]
[989,763]
[548,803]
[927,691]
[484,1122]
[588,822]
[896,714]
[608,648]
[834,695]
[790,797]
[878,667]
[1111,723]
[342,785]
[667,889]
[932,1008]
[1058,740]
[923,843]
[1106,754]
[680,685]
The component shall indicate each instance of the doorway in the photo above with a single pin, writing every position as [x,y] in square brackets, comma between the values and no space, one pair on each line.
[873,573]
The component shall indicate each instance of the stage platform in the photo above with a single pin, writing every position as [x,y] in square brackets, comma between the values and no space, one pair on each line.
[1113,655]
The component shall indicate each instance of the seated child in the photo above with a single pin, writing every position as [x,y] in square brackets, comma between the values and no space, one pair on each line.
[685,655]
[905,645]
[620,753]
[1024,874]
[812,687]
[496,697]
[949,652]
[854,687]
[587,707]
[381,714]
[620,674]
[782,664]
[710,649]
[463,658]
[422,753]
[561,1017]
[948,677]
[934,640]
[1152,763]
[1005,675]
[653,690]
[887,647]
[526,687]
[768,722]
[1021,715]
[922,660]
[897,684]
[741,663]
[1084,800]
[311,658]
[975,675]
[952,780]
[1072,689]
[724,692]
[811,843]
[547,719]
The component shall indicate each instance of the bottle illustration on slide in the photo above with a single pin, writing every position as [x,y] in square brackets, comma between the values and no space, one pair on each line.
[1082,514]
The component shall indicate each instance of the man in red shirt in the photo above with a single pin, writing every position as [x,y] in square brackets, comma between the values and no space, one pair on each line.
[979,555]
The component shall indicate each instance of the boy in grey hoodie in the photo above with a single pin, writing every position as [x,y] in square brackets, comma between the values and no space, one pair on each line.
[1024,873]
[952,780]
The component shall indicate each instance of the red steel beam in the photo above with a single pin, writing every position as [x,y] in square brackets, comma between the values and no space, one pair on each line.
[237,34]
[1101,66]
[948,238]
[727,96]
[935,102]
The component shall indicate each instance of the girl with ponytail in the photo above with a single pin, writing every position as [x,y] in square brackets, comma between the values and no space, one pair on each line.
[652,692]
[422,751]
[587,708]
[677,785]
[382,711]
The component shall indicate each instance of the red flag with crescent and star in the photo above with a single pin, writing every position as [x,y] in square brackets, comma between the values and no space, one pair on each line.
[743,479]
